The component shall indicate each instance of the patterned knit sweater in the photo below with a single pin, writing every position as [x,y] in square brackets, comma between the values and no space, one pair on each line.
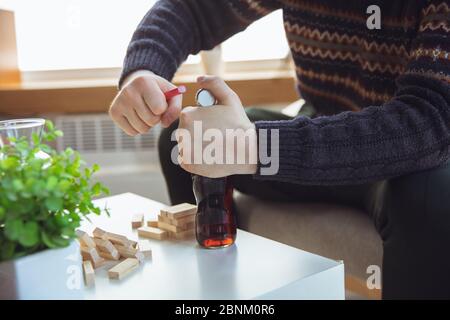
[383,95]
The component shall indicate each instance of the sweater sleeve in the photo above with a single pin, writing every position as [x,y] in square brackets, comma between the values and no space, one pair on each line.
[173,29]
[409,133]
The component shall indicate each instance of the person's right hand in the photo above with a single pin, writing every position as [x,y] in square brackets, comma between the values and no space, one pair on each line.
[141,103]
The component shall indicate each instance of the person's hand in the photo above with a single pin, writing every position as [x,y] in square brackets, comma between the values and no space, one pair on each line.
[141,104]
[228,117]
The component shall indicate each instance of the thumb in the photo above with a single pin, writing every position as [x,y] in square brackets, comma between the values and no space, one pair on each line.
[219,89]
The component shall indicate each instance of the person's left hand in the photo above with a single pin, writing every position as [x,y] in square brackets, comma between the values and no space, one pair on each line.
[226,118]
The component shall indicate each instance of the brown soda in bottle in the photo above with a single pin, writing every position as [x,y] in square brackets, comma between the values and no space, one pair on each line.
[215,223]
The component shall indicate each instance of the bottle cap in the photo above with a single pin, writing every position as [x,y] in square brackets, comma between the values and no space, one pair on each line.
[204,98]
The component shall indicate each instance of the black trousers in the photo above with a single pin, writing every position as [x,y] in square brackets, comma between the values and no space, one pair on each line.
[411,214]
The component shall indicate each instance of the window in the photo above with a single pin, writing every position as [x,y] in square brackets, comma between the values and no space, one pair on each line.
[80,34]
[75,34]
[262,40]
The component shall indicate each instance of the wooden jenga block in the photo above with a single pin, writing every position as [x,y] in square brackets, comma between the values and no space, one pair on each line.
[87,253]
[132,243]
[89,273]
[164,225]
[85,239]
[118,239]
[109,256]
[106,249]
[128,252]
[122,269]
[152,233]
[183,221]
[178,211]
[165,219]
[113,237]
[140,256]
[169,227]
[99,233]
[137,220]
[184,234]
[92,255]
[145,248]
[152,223]
[189,226]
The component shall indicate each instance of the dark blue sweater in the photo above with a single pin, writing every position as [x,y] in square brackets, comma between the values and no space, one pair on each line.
[383,95]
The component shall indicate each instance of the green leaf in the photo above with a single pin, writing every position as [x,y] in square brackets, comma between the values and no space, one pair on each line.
[95,167]
[50,136]
[13,229]
[23,206]
[83,208]
[46,148]
[36,139]
[30,234]
[11,195]
[7,250]
[97,189]
[54,203]
[48,240]
[2,213]
[96,210]
[105,190]
[69,232]
[26,194]
[9,163]
[17,185]
[6,182]
[52,181]
[61,220]
[69,151]
[23,147]
[39,189]
[49,125]
[60,241]
[64,185]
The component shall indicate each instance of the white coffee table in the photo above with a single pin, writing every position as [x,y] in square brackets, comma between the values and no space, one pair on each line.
[253,268]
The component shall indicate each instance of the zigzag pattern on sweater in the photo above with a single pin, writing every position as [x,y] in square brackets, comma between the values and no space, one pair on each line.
[407,22]
[334,37]
[372,66]
[343,28]
[434,25]
[433,9]
[347,82]
[434,53]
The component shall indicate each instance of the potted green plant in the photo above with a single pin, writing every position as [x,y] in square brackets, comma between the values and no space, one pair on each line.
[44,195]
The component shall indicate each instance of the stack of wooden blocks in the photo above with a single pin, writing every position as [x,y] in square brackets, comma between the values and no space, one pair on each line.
[106,246]
[176,222]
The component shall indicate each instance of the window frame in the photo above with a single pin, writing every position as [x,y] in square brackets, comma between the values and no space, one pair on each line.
[233,68]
